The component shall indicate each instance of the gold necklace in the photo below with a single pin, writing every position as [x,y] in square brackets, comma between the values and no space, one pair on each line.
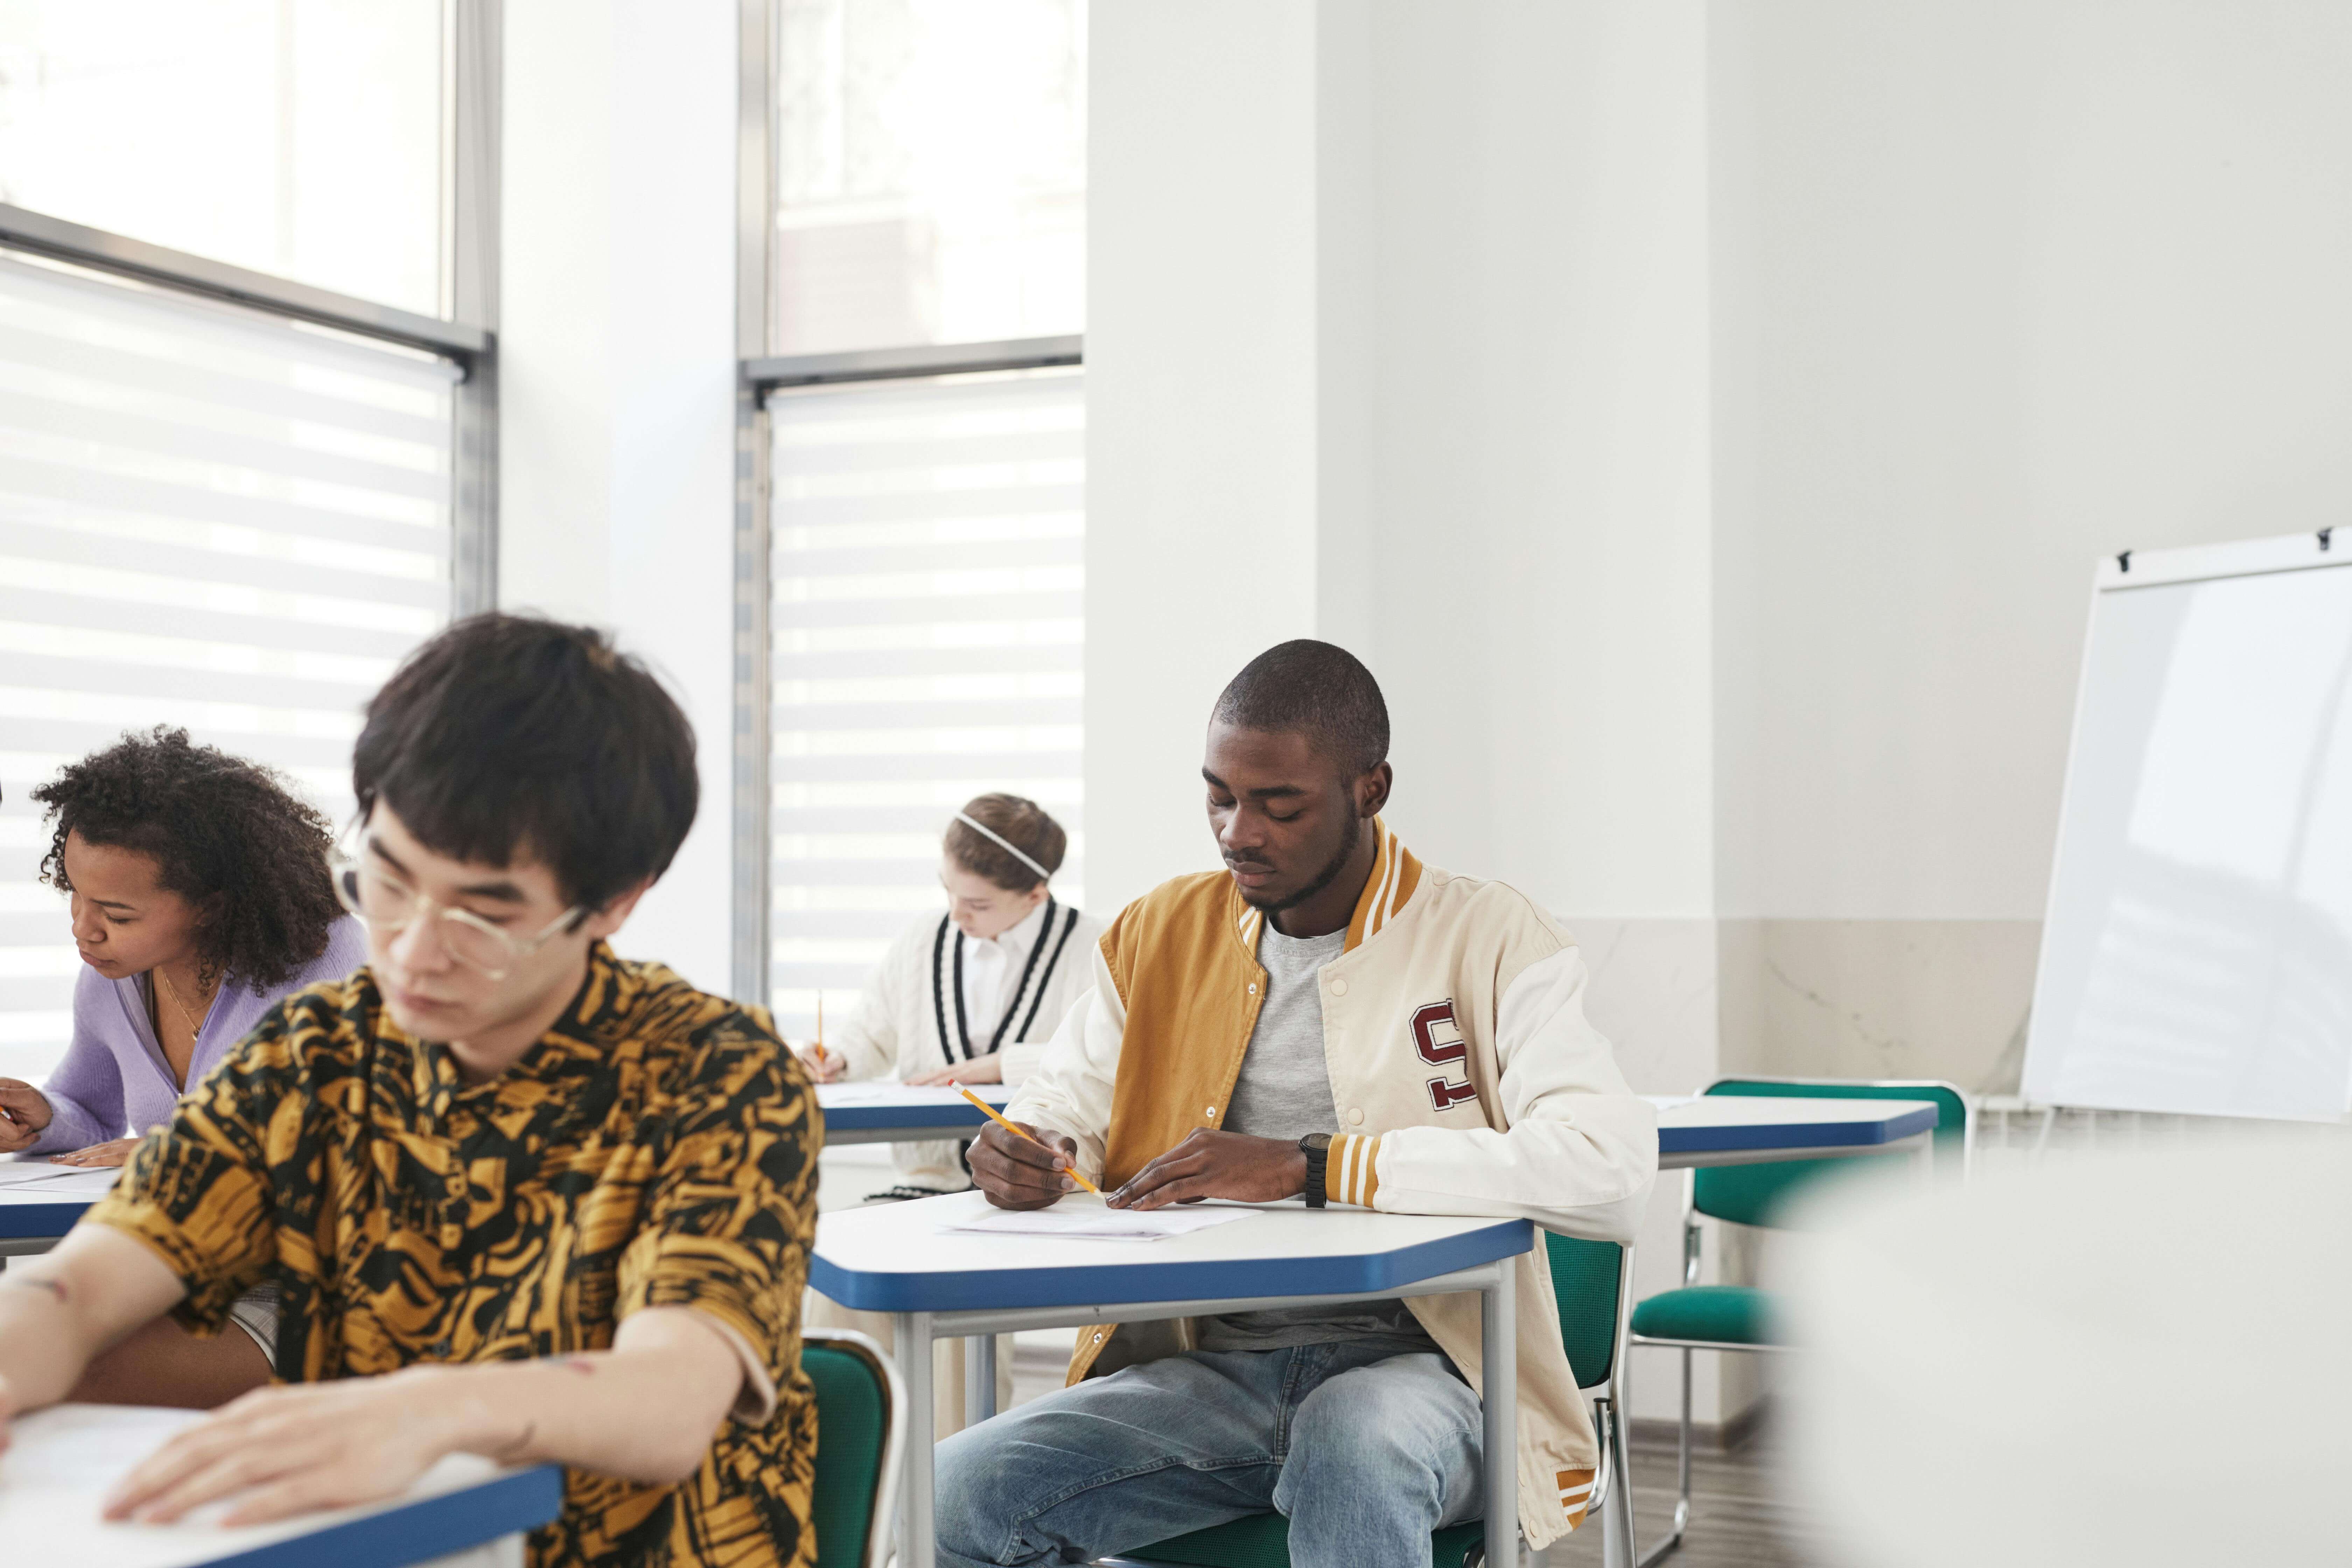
[195,1029]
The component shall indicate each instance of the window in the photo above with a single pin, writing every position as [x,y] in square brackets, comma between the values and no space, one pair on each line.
[913,569]
[302,138]
[209,517]
[927,624]
[930,161]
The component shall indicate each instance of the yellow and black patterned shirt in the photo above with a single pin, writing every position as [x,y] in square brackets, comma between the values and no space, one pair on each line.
[657,1147]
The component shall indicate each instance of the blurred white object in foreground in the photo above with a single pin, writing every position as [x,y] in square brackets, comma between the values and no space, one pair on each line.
[2137,1358]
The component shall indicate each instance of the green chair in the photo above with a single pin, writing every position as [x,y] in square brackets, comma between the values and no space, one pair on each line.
[861,1440]
[1593,1281]
[1697,1317]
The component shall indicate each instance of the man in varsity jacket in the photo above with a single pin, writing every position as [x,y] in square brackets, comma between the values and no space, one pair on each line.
[1326,1016]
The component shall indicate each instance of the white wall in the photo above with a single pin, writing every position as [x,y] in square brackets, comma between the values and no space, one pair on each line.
[617,354]
[1703,418]
[2000,289]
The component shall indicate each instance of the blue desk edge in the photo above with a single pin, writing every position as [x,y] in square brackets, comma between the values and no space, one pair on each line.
[420,1531]
[1174,1280]
[1798,1135]
[24,1222]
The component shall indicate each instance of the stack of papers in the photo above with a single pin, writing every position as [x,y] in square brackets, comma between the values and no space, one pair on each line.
[1075,1221]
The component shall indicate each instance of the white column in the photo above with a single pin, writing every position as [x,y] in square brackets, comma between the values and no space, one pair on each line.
[618,364]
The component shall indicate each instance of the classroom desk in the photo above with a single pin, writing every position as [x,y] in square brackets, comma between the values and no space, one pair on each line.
[1750,1130]
[940,1283]
[879,1112]
[35,1218]
[61,1460]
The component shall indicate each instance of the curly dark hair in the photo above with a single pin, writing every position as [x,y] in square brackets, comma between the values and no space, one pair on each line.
[227,835]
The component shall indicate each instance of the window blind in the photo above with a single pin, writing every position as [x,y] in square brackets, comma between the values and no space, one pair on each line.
[927,633]
[209,517]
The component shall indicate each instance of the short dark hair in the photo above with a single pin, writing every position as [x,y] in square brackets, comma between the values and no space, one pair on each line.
[1317,688]
[511,735]
[1010,816]
[225,834]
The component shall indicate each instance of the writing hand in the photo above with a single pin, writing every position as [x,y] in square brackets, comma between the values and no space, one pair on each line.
[827,1068]
[1017,1174]
[23,1115]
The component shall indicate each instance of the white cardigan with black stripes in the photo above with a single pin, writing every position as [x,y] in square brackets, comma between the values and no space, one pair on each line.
[895,1031]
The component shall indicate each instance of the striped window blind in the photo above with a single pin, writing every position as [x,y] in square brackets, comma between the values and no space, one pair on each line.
[927,630]
[209,517]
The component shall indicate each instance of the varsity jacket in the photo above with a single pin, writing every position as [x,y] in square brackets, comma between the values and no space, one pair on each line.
[910,1018]
[1466,1080]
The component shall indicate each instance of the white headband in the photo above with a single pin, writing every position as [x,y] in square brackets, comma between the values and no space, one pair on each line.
[1006,845]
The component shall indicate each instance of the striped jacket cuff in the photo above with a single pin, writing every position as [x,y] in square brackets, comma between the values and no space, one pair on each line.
[1349,1172]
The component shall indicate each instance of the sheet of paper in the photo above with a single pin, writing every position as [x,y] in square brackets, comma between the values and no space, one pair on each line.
[1075,1220]
[57,1181]
[868,1091]
[62,1461]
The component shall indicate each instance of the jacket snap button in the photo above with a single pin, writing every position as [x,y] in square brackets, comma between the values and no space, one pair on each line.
[1356,1118]
[1339,988]
[1097,1336]
[1252,988]
[1211,1112]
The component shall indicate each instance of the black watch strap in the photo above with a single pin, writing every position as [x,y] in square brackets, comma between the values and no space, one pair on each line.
[1316,1147]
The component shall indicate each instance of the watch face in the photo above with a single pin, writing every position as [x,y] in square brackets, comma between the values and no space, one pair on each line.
[1319,1142]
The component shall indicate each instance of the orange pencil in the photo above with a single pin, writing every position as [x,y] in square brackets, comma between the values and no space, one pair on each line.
[989,1111]
[820,1028]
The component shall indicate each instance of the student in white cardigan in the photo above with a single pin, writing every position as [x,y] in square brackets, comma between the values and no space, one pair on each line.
[973,994]
[968,996]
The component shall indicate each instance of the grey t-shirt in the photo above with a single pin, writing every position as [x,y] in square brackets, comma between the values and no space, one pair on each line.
[1284,1091]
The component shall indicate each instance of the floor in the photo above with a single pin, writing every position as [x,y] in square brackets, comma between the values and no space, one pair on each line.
[1738,1518]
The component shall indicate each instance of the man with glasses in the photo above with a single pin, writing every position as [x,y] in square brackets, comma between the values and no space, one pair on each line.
[520,1198]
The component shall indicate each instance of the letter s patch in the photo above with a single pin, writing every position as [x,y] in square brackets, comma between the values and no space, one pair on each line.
[1443,1093]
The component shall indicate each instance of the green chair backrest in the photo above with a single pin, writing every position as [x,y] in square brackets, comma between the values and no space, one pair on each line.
[1753,1195]
[1584,1278]
[853,1428]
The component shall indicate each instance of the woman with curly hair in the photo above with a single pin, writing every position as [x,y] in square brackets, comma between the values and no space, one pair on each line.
[199,896]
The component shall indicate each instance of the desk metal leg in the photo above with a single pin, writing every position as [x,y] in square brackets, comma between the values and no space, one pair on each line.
[979,1379]
[1498,1371]
[912,1340]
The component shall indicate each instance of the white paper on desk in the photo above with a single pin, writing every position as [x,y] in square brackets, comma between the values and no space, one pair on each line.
[1092,1222]
[61,1180]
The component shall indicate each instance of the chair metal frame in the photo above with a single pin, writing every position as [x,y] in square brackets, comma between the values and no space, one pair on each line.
[1691,1251]
[882,1526]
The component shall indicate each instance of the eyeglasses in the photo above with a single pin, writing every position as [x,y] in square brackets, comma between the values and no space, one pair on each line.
[389,907]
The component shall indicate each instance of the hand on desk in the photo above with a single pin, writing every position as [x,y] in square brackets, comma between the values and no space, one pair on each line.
[117,1153]
[1212,1164]
[1017,1173]
[980,1069]
[293,1448]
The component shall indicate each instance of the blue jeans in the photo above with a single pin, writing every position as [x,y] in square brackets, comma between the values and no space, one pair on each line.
[1365,1450]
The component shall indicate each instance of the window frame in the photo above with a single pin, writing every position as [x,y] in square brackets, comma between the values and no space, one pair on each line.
[757,374]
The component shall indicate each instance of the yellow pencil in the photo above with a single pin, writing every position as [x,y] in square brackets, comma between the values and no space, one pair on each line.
[820,1028]
[989,1111]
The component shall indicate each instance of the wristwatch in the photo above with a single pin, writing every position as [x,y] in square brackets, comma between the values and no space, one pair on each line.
[1316,1147]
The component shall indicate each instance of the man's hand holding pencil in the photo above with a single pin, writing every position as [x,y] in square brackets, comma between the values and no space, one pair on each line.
[1023,1167]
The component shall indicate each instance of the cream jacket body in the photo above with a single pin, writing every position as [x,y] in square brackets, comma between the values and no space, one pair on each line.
[896,1033]
[1466,1079]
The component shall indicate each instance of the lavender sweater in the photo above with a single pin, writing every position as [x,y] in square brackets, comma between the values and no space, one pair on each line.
[113,1082]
